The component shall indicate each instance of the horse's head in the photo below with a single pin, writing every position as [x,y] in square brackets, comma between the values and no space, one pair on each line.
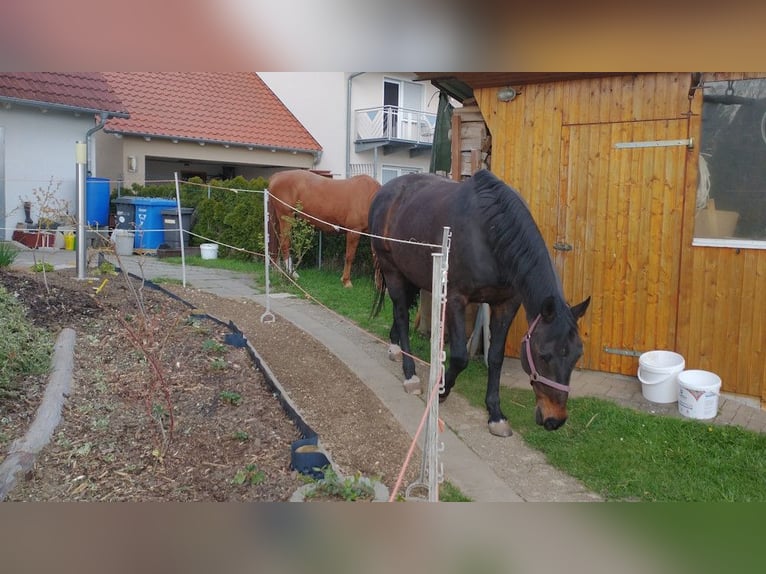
[549,352]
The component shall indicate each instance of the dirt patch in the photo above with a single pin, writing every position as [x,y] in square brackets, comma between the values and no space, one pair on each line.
[230,438]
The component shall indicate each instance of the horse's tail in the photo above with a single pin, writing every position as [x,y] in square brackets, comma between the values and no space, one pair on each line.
[380,287]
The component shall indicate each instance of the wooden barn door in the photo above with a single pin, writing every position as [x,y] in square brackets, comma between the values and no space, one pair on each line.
[619,236]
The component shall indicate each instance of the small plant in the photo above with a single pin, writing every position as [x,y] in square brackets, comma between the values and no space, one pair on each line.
[159,412]
[107,268]
[231,397]
[333,486]
[251,475]
[211,346]
[218,364]
[8,254]
[240,436]
[42,267]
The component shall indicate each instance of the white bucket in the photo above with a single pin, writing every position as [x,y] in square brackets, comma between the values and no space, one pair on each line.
[658,372]
[209,250]
[698,393]
[123,242]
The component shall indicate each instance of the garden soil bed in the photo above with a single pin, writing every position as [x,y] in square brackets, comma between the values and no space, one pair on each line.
[209,427]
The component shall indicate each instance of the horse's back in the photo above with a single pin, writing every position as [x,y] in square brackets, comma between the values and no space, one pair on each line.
[342,202]
[417,205]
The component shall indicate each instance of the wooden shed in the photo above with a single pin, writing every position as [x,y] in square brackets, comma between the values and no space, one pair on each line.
[652,202]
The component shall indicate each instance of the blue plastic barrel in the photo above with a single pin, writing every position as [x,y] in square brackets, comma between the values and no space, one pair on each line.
[150,229]
[97,201]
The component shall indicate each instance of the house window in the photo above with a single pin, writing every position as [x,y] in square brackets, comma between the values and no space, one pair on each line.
[731,195]
[389,172]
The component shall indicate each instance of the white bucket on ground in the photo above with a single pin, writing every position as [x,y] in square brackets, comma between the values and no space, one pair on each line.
[209,250]
[698,393]
[123,242]
[658,372]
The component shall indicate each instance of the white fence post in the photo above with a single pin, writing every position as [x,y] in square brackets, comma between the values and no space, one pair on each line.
[268,316]
[432,471]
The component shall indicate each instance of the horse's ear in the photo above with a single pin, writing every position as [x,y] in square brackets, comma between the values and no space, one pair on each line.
[579,310]
[548,310]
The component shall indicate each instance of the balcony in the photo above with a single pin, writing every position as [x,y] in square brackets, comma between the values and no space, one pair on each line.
[394,128]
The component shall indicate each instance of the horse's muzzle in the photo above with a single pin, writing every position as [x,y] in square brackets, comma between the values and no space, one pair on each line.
[550,423]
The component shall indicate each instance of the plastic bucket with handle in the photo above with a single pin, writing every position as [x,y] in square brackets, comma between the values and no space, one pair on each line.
[658,372]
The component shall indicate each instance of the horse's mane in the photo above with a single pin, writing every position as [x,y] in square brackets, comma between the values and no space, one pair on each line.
[518,245]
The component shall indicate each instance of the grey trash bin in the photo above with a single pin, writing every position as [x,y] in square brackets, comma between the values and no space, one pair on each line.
[125,212]
[170,224]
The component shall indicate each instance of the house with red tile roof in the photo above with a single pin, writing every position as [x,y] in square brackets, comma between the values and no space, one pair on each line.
[214,125]
[42,116]
[206,124]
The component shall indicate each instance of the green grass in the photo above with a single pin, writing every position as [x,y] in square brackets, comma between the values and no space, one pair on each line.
[623,454]
[448,492]
[8,254]
[616,452]
[24,348]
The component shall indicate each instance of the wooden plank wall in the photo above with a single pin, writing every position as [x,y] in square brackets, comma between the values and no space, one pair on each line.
[720,321]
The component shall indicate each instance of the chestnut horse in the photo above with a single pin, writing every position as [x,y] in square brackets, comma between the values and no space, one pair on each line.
[497,256]
[332,205]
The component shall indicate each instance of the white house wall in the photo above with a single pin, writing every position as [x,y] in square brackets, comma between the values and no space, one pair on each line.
[318,101]
[39,154]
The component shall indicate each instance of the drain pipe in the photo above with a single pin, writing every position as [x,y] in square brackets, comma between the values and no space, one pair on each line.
[81,156]
[348,120]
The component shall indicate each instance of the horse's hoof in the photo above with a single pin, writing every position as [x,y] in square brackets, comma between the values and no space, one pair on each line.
[412,385]
[394,352]
[348,284]
[500,428]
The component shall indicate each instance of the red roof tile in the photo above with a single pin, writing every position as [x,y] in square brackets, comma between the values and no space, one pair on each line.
[77,90]
[227,107]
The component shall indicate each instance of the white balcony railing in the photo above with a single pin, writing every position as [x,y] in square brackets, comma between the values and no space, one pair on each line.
[394,123]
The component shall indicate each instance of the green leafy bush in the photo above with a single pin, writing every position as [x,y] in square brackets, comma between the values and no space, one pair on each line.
[232,217]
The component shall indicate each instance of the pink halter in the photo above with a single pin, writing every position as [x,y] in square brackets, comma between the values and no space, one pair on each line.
[534,375]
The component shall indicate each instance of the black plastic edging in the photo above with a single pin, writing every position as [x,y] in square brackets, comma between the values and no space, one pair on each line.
[290,409]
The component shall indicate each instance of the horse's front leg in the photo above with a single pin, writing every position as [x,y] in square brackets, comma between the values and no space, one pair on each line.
[458,351]
[352,242]
[501,317]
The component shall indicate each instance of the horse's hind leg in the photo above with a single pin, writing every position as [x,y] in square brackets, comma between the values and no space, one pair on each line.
[352,242]
[394,350]
[402,298]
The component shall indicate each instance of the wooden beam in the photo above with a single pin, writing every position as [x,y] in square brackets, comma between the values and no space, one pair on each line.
[455,147]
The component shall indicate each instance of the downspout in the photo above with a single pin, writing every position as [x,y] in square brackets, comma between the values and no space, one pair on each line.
[82,243]
[102,122]
[348,120]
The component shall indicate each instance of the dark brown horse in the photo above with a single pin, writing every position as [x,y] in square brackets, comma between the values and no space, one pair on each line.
[332,205]
[498,257]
